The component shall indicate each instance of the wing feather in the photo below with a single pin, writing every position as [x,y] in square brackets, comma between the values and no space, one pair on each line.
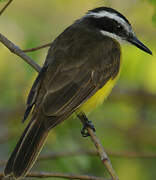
[74,73]
[82,85]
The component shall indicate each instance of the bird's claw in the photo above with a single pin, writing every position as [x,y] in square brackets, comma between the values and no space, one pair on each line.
[87,124]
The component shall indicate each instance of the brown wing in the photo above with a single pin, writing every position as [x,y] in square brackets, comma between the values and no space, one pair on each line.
[74,73]
[33,92]
[70,88]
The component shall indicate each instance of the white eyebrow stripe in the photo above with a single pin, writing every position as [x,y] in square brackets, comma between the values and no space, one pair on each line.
[113,36]
[109,15]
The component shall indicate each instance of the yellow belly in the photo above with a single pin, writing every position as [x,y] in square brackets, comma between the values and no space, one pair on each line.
[98,98]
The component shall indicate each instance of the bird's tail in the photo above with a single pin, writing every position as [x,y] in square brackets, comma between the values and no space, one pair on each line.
[27,149]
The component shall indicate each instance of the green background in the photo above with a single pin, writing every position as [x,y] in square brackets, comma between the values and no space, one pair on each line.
[125,122]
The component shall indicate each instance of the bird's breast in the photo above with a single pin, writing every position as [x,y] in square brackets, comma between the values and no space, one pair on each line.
[98,98]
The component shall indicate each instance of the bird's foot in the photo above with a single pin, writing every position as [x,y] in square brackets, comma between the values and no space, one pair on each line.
[86,124]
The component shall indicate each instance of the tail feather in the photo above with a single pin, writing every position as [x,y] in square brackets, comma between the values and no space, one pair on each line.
[9,166]
[26,150]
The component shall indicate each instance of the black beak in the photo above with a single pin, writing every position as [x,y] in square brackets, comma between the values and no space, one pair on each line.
[139,44]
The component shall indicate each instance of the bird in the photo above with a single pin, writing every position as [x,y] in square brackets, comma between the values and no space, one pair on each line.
[81,67]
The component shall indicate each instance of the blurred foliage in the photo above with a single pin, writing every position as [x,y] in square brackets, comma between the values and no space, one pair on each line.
[3,0]
[121,123]
[153,2]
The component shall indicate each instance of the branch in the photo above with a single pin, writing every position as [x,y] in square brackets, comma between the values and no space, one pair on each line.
[60,175]
[104,158]
[5,7]
[37,48]
[134,95]
[16,50]
[124,154]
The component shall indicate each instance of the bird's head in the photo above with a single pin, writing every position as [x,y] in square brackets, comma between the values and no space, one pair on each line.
[110,22]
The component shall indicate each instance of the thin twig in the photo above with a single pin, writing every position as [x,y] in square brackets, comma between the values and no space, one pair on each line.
[102,153]
[60,175]
[67,154]
[118,154]
[37,48]
[124,154]
[104,158]
[16,50]
[133,95]
[5,7]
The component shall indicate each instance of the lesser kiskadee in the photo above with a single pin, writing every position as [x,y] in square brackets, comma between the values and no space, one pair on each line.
[80,70]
